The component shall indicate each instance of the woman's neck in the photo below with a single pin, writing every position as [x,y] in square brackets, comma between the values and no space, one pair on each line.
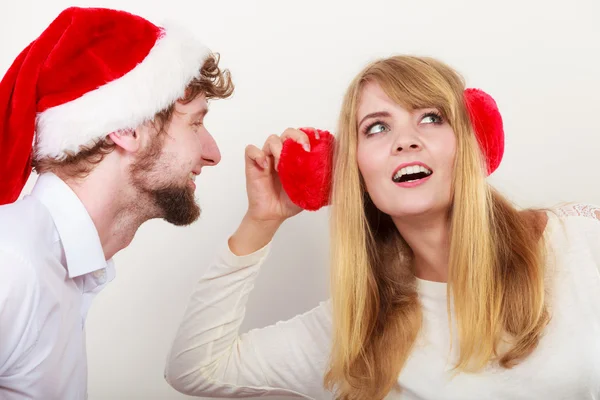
[429,239]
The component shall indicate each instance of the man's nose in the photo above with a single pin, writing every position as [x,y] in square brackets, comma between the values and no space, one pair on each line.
[211,155]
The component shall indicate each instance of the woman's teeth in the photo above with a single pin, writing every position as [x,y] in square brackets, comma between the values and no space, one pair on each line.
[412,173]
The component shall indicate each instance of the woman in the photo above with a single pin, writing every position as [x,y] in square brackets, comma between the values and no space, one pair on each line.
[441,289]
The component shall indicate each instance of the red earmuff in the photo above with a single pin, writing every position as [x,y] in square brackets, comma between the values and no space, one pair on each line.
[306,176]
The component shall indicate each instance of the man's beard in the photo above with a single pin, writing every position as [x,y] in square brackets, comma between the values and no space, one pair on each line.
[176,204]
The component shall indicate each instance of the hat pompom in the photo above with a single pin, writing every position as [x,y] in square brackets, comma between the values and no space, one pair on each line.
[306,176]
[487,123]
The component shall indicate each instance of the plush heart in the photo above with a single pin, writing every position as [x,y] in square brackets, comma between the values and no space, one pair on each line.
[306,176]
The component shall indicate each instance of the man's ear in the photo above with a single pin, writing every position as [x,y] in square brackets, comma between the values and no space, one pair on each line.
[127,139]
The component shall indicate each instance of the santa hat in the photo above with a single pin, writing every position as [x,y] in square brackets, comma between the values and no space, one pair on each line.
[306,176]
[92,72]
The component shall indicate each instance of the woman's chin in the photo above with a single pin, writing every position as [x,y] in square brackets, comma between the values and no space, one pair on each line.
[424,210]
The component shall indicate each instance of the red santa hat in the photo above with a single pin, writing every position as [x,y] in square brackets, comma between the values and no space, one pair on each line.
[306,177]
[92,72]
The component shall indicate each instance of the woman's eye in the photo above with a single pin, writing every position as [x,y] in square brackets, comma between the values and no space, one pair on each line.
[431,118]
[376,128]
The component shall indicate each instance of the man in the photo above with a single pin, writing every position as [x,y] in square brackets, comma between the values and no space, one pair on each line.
[109,110]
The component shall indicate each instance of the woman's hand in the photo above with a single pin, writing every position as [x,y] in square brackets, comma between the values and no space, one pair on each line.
[268,204]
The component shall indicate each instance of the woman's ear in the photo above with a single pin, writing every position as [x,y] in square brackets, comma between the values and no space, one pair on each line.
[127,139]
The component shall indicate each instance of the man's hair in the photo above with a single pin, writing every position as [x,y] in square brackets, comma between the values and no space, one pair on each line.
[213,82]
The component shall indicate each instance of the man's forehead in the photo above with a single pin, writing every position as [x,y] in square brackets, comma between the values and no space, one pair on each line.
[197,106]
[200,111]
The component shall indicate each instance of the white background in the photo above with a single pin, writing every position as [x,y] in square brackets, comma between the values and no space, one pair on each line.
[291,62]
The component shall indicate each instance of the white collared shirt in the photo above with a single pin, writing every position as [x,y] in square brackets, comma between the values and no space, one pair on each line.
[51,267]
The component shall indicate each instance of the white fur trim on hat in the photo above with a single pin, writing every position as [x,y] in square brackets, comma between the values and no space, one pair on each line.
[125,103]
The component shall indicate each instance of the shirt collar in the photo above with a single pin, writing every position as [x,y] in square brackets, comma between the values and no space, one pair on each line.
[78,234]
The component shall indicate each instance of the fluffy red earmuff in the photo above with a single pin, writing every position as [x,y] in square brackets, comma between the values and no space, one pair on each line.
[487,123]
[306,176]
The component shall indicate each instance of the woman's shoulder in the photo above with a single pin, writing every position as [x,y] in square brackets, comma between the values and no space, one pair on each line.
[578,211]
[575,224]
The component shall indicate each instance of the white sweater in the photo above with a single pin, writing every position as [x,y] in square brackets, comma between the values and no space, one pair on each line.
[210,358]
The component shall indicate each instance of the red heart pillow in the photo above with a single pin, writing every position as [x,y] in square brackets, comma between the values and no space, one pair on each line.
[306,176]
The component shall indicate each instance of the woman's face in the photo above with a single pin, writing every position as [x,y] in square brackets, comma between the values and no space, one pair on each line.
[406,157]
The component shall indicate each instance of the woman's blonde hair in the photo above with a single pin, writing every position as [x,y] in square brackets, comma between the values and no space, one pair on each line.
[496,265]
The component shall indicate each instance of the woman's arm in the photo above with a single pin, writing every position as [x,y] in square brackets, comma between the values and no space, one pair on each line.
[209,357]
